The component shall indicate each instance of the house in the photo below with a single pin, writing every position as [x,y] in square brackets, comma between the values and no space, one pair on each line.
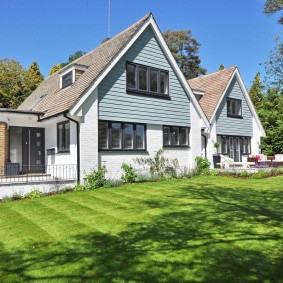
[234,123]
[125,99]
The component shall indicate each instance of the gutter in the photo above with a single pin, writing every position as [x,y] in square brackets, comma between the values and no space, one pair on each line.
[78,146]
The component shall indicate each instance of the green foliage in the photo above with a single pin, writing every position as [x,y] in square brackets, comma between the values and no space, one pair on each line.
[113,183]
[185,50]
[79,188]
[72,58]
[256,91]
[202,165]
[260,175]
[214,172]
[16,83]
[6,199]
[130,174]
[66,189]
[96,179]
[55,68]
[16,196]
[33,194]
[221,67]
[245,174]
[159,165]
[274,6]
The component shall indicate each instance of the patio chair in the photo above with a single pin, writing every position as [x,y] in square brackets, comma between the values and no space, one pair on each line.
[227,162]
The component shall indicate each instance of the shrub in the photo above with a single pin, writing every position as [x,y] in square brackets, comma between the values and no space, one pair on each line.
[130,174]
[66,189]
[245,174]
[260,175]
[214,172]
[202,165]
[16,196]
[79,188]
[6,199]
[113,183]
[33,194]
[159,165]
[96,179]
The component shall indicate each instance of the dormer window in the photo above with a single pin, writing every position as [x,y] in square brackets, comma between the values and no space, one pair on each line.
[67,79]
[69,75]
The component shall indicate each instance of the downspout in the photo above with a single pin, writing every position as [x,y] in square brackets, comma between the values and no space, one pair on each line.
[205,142]
[78,146]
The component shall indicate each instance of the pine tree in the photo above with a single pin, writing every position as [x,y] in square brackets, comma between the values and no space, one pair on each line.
[256,91]
[184,49]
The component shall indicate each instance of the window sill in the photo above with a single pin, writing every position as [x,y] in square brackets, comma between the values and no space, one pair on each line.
[176,146]
[63,151]
[235,116]
[124,150]
[148,94]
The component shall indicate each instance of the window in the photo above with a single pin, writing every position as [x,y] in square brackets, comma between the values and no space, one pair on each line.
[63,136]
[234,107]
[121,136]
[147,79]
[175,136]
[67,79]
[229,143]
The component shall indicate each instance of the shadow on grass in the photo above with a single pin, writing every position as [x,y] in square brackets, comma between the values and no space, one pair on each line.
[220,236]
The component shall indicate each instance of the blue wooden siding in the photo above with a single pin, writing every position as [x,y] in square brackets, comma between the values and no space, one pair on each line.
[116,104]
[234,126]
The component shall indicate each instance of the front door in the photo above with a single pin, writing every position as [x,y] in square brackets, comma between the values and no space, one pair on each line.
[33,150]
[235,149]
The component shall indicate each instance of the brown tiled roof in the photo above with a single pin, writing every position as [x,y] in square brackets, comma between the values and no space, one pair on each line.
[52,100]
[214,85]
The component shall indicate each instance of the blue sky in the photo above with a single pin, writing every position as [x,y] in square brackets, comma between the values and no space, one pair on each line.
[231,32]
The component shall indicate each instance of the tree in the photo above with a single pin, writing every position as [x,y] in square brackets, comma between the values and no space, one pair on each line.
[274,65]
[72,58]
[185,50]
[55,68]
[273,6]
[256,91]
[12,77]
[221,67]
[33,78]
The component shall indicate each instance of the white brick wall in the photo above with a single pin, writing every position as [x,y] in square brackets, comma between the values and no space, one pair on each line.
[195,135]
[89,134]
[114,160]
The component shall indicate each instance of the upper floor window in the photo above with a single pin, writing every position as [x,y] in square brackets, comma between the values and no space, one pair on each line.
[175,136]
[67,79]
[72,73]
[121,136]
[63,136]
[146,79]
[234,107]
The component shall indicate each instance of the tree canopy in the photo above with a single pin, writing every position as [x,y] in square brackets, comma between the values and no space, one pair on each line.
[16,83]
[185,50]
[274,6]
[71,58]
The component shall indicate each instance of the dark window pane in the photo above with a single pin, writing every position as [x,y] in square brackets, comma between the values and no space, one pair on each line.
[67,136]
[164,82]
[185,136]
[175,136]
[140,137]
[142,78]
[153,80]
[103,135]
[67,80]
[116,136]
[131,76]
[60,136]
[129,136]
[166,135]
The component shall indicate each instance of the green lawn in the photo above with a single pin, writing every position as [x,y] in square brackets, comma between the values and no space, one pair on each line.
[204,229]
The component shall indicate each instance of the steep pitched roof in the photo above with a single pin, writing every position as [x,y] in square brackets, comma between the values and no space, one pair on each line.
[213,86]
[52,100]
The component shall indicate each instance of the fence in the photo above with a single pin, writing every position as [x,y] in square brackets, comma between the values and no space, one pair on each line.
[14,173]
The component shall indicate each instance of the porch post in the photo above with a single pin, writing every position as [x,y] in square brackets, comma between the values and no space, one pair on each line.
[4,146]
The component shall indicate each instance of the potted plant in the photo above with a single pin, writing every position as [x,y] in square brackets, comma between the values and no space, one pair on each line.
[216,157]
